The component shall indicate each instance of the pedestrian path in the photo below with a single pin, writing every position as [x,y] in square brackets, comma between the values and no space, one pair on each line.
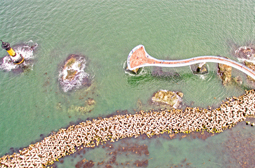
[138,58]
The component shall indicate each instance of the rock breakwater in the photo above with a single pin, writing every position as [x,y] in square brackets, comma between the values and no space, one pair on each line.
[98,131]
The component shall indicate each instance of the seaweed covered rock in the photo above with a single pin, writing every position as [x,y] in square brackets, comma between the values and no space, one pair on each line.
[245,53]
[225,73]
[88,107]
[252,66]
[72,74]
[166,97]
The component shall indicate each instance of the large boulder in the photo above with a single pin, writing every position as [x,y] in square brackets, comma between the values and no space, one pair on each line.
[224,72]
[252,66]
[245,53]
[166,97]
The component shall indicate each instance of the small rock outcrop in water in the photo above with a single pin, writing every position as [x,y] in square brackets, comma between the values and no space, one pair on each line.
[245,53]
[252,66]
[225,73]
[199,68]
[167,97]
[72,74]
[26,50]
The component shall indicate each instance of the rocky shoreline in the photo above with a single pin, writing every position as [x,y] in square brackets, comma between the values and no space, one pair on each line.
[96,132]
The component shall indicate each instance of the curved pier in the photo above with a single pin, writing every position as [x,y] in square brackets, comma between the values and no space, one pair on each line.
[138,57]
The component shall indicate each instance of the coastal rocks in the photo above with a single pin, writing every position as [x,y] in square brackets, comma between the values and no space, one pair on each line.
[201,68]
[170,98]
[224,72]
[72,74]
[245,53]
[88,107]
[252,66]
[136,70]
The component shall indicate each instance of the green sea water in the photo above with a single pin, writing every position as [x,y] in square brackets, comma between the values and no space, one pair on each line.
[105,32]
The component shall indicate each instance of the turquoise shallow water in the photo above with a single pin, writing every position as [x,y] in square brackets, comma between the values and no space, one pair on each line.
[105,32]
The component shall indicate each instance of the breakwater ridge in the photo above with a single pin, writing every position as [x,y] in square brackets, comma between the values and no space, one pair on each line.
[97,131]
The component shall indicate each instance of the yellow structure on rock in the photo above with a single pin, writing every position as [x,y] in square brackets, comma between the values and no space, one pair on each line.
[16,58]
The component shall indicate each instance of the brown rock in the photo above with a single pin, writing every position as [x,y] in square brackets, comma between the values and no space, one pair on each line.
[143,163]
[70,61]
[88,164]
[167,97]
[199,68]
[252,66]
[70,74]
[225,73]
[245,52]
[90,101]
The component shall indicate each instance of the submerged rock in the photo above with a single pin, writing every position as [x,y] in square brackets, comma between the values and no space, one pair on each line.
[225,73]
[158,72]
[88,107]
[167,97]
[72,74]
[238,80]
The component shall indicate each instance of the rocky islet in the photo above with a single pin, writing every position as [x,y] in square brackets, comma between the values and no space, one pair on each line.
[72,74]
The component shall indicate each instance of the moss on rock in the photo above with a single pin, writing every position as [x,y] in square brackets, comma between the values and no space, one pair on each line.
[167,97]
[225,73]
